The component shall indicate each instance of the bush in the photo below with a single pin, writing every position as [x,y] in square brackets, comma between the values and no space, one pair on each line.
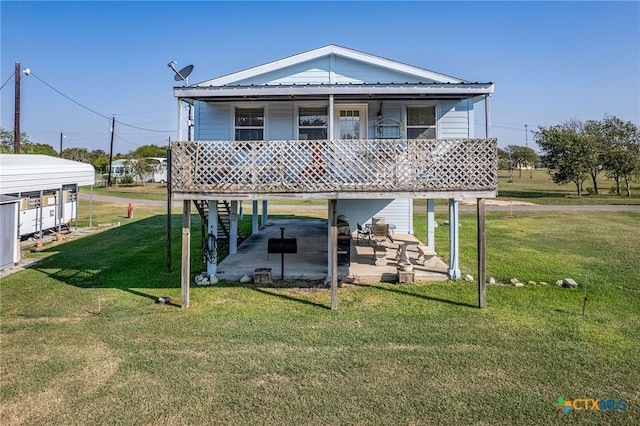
[126,180]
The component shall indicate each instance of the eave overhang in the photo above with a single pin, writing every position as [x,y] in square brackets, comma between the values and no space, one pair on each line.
[391,90]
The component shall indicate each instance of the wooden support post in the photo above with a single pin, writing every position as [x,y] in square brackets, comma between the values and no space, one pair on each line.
[454,255]
[169,210]
[482,279]
[333,223]
[185,280]
[254,217]
[212,267]
[431,223]
[233,224]
[265,212]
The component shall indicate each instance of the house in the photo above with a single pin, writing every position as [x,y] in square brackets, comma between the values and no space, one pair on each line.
[156,173]
[366,133]
[38,194]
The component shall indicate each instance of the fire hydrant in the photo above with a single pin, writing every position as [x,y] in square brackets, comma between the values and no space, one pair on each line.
[130,211]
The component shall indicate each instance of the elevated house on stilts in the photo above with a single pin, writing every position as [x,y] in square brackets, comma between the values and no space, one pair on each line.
[368,134]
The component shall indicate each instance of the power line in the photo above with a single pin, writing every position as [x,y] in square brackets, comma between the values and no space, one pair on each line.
[5,83]
[96,112]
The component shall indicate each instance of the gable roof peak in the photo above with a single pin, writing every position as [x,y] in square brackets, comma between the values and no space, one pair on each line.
[328,50]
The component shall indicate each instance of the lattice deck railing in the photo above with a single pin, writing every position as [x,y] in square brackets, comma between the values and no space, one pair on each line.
[321,166]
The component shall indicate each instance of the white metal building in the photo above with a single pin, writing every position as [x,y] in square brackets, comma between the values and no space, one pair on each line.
[46,189]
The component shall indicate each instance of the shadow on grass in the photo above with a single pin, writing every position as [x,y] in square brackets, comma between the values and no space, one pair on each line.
[289,298]
[420,296]
[512,193]
[133,258]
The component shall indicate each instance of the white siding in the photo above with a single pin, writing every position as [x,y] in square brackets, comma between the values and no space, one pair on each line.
[397,212]
[213,122]
[319,71]
[280,121]
[454,120]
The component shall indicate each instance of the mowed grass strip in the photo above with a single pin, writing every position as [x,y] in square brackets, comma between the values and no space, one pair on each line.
[84,342]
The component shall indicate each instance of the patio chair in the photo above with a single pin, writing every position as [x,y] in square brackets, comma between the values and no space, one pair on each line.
[363,232]
[381,233]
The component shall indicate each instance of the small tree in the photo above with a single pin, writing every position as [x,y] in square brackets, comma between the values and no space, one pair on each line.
[521,156]
[566,153]
[620,151]
[26,146]
[77,154]
[37,148]
[141,167]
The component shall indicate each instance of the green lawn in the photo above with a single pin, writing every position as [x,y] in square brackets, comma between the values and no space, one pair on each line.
[535,187]
[84,343]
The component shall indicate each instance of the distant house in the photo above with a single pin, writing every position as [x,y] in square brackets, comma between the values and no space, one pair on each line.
[366,133]
[124,167]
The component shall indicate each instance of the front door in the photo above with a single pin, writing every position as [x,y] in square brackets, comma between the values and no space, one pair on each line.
[350,122]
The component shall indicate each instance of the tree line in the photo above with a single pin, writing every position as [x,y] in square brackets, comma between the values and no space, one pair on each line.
[576,151]
[98,158]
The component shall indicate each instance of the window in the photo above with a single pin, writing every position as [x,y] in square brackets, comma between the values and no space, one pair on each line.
[350,124]
[421,122]
[312,123]
[249,124]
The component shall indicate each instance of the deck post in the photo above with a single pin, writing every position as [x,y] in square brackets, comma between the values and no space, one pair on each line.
[431,223]
[487,116]
[186,252]
[254,217]
[212,267]
[265,213]
[233,223]
[482,282]
[454,269]
[333,241]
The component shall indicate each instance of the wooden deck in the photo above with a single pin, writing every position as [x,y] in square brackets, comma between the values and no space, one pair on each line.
[334,169]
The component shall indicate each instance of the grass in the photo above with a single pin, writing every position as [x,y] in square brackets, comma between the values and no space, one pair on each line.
[536,187]
[84,342]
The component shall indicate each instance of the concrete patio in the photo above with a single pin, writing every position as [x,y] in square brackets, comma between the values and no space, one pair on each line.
[310,261]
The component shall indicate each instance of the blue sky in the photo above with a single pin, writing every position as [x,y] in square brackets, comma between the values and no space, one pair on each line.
[550,61]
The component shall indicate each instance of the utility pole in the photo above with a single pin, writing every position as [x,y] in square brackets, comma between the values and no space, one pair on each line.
[16,123]
[526,136]
[61,137]
[113,128]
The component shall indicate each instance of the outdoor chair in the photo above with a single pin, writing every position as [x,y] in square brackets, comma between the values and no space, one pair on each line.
[363,232]
[381,232]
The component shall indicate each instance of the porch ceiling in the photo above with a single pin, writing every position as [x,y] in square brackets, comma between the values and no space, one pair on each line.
[391,90]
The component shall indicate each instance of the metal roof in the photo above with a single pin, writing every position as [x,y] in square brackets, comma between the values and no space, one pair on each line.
[26,173]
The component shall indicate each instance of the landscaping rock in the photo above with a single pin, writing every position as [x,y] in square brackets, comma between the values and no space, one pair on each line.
[514,281]
[559,283]
[245,279]
[531,283]
[213,279]
[569,282]
[202,279]
[518,284]
[543,283]
[492,280]
[468,278]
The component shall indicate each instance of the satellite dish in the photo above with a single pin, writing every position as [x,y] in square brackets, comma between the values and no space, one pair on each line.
[183,73]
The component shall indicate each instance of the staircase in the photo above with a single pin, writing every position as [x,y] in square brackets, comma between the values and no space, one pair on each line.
[224,211]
